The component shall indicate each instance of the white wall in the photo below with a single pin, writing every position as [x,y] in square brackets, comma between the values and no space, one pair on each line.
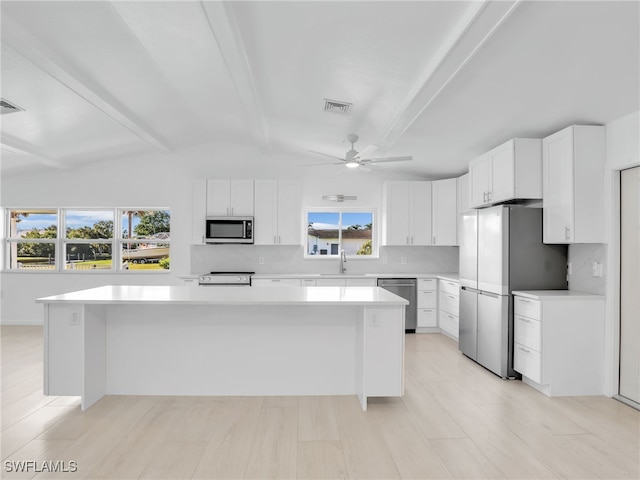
[623,151]
[157,180]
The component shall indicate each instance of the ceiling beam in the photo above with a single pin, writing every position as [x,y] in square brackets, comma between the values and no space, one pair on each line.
[227,35]
[15,145]
[478,24]
[46,59]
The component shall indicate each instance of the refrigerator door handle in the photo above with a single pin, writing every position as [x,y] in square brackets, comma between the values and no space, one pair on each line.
[469,289]
[489,294]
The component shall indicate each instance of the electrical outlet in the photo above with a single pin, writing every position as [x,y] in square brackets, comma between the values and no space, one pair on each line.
[374,322]
[403,260]
[260,260]
[75,318]
[596,269]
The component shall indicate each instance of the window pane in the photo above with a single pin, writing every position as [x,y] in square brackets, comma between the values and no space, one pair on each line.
[89,224]
[33,223]
[146,224]
[145,256]
[88,256]
[322,233]
[32,256]
[357,228]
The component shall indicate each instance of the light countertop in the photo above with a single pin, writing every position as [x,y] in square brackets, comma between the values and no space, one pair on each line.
[557,295]
[228,295]
[446,276]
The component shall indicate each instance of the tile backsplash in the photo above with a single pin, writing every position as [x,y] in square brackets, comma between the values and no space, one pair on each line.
[582,257]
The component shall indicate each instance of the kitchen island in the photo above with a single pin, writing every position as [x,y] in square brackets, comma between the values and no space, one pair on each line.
[178,340]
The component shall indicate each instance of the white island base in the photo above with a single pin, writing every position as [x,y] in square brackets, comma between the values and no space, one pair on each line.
[121,340]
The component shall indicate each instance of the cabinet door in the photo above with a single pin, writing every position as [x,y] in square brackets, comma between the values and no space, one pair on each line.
[479,181]
[266,212]
[241,197]
[444,208]
[331,282]
[397,213]
[420,213]
[557,158]
[288,213]
[218,195]
[502,173]
[198,211]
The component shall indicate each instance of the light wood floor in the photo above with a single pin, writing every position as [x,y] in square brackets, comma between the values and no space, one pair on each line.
[456,420]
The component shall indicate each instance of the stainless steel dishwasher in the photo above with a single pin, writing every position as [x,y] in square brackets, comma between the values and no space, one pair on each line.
[405,288]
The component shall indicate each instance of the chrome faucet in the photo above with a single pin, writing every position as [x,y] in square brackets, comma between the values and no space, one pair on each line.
[343,260]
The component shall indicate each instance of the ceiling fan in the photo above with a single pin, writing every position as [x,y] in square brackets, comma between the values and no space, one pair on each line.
[355,159]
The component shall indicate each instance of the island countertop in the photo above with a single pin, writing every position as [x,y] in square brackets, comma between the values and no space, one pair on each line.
[228,295]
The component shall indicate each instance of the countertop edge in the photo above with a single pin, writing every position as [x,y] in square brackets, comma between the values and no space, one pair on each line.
[557,295]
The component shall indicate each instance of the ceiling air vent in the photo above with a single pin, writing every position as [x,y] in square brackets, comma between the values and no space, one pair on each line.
[7,107]
[343,108]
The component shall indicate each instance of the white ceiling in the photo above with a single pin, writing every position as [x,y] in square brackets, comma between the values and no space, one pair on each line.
[443,81]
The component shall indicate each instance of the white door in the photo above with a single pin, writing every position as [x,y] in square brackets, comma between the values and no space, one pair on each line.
[266,211]
[218,194]
[503,173]
[479,181]
[397,213]
[558,187]
[241,198]
[444,208]
[420,219]
[289,213]
[630,284]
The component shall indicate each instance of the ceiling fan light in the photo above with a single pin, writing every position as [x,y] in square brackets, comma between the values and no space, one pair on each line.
[352,164]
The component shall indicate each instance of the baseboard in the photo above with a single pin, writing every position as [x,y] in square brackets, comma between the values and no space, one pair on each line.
[19,322]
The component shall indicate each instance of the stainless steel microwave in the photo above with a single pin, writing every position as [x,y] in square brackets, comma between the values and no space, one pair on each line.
[229,230]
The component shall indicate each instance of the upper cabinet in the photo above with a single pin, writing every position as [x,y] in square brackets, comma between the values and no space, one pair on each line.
[444,210]
[277,212]
[508,172]
[407,213]
[573,186]
[229,198]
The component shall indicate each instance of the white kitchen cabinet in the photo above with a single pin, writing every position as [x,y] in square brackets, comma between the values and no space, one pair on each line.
[275,282]
[510,171]
[407,213]
[427,303]
[559,341]
[229,198]
[277,212]
[308,282]
[463,202]
[444,208]
[362,282]
[573,186]
[449,307]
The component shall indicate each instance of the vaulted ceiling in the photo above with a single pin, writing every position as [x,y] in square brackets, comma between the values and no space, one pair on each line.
[442,81]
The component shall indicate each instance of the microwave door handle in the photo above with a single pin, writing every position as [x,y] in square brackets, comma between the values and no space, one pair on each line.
[244,229]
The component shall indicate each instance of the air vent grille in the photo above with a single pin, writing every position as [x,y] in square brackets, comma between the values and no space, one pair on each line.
[334,106]
[8,107]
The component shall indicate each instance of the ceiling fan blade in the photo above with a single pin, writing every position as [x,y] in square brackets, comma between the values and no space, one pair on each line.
[387,159]
[320,164]
[366,152]
[327,155]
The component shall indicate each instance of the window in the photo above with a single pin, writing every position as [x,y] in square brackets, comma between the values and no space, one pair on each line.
[329,232]
[85,239]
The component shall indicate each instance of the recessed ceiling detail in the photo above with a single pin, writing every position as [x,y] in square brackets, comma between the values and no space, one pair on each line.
[8,107]
[334,106]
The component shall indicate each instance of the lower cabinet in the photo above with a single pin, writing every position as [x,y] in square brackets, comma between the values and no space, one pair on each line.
[448,307]
[275,282]
[559,342]
[427,302]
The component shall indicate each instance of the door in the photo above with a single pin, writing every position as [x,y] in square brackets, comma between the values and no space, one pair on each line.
[241,198]
[397,213]
[218,193]
[630,284]
[444,208]
[503,174]
[266,212]
[420,217]
[493,245]
[468,322]
[289,213]
[493,332]
[479,180]
[468,251]
[558,187]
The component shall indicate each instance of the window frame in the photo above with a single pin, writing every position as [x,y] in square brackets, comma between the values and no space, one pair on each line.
[61,241]
[375,235]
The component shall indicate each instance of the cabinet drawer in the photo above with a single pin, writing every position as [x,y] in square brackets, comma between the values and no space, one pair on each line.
[526,307]
[528,362]
[331,282]
[275,282]
[361,282]
[427,299]
[448,323]
[427,283]
[427,317]
[449,303]
[308,282]
[527,332]
[450,287]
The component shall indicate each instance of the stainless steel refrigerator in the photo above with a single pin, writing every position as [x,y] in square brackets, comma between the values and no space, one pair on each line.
[501,250]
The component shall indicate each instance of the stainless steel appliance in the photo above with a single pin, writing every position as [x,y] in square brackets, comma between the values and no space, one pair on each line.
[501,250]
[225,278]
[405,288]
[229,230]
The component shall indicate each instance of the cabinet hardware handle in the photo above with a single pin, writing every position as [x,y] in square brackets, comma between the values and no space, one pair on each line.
[522,319]
[434,239]
[567,233]
[524,300]
[524,350]
[407,240]
[279,239]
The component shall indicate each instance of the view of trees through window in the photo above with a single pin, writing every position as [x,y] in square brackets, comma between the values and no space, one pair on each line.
[89,239]
[330,232]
